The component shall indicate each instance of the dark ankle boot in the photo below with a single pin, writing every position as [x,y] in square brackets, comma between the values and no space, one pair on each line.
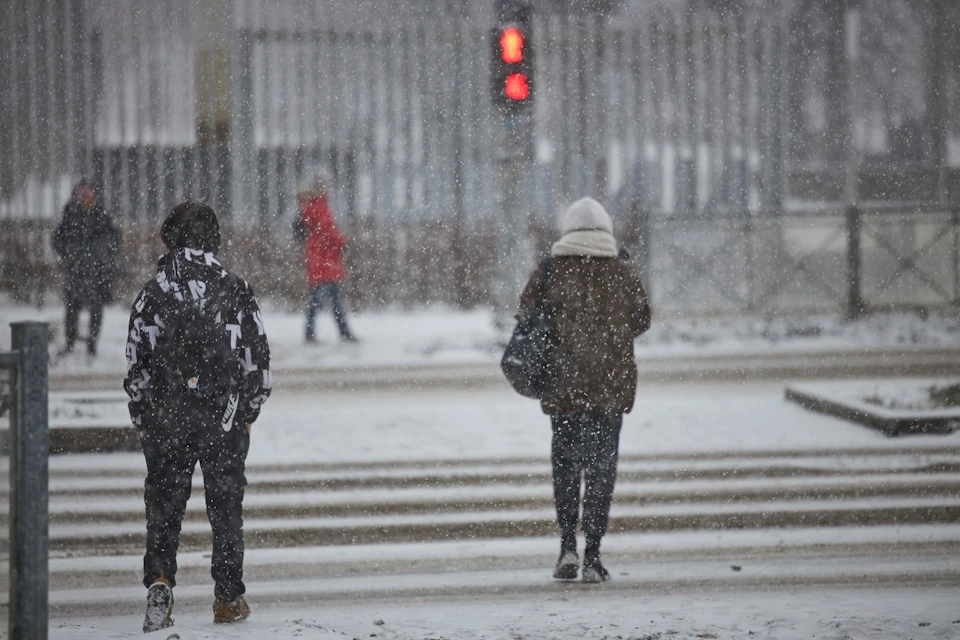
[593,570]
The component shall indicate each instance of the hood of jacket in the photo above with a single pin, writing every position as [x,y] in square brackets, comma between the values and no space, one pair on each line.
[183,265]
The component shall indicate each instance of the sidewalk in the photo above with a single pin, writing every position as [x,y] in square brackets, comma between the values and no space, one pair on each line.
[446,348]
[435,501]
[431,424]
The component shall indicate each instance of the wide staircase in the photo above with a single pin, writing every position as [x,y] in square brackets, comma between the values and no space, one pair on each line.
[398,529]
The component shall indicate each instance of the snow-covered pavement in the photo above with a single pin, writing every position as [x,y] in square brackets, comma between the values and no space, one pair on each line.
[861,612]
[431,510]
[412,506]
[443,337]
[390,426]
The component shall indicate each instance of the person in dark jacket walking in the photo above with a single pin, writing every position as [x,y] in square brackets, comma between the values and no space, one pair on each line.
[198,372]
[596,307]
[324,260]
[88,246]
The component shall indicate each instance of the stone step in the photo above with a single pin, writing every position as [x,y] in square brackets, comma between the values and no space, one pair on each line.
[441,500]
[531,575]
[294,532]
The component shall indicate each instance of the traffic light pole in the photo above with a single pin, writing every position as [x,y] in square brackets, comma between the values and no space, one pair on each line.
[512,97]
[515,153]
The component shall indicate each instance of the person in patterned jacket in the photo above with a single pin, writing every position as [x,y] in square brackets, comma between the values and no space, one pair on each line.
[198,371]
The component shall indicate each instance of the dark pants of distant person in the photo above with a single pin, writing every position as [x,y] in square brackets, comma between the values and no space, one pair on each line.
[171,456]
[74,305]
[315,299]
[587,444]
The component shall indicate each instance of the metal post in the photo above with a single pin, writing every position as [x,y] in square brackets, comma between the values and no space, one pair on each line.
[645,229]
[855,303]
[941,92]
[514,156]
[852,50]
[513,161]
[955,221]
[29,452]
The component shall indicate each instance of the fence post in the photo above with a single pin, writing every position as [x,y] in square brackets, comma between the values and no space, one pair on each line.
[29,453]
[643,229]
[855,303]
[955,220]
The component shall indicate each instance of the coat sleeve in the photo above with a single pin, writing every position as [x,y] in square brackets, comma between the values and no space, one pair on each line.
[60,238]
[256,383]
[640,316]
[142,333]
[528,299]
[114,246]
[337,239]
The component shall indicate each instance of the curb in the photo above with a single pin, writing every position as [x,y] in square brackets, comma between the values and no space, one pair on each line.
[861,413]
[765,367]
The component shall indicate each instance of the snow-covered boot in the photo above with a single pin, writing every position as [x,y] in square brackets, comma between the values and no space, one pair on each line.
[593,571]
[567,566]
[159,606]
[226,612]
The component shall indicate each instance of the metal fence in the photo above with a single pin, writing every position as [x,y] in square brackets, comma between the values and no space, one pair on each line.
[848,261]
[726,118]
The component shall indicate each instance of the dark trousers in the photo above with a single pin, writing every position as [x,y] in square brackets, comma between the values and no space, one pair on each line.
[584,444]
[171,458]
[72,322]
[315,298]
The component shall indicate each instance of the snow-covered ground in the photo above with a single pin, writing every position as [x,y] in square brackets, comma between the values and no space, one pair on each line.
[682,442]
[858,612]
[371,463]
[497,424]
[443,336]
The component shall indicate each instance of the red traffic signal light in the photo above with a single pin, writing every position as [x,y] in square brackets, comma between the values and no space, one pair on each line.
[512,64]
[515,86]
[511,45]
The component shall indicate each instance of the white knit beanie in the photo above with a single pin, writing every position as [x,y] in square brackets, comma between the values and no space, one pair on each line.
[586,214]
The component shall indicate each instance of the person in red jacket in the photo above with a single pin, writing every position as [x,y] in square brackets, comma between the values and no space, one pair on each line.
[323,247]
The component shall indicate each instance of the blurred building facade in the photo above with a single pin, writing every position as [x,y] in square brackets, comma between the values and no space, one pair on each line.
[670,111]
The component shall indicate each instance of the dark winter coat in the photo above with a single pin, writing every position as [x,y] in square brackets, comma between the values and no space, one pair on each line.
[324,242]
[596,308]
[88,245]
[192,276]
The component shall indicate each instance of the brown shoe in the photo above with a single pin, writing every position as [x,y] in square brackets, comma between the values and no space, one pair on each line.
[226,612]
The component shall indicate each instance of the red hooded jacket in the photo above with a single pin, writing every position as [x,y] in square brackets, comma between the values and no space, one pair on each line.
[324,242]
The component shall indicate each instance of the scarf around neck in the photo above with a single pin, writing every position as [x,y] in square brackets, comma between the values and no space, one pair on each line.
[594,243]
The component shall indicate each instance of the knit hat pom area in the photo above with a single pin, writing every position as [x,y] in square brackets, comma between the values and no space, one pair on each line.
[586,214]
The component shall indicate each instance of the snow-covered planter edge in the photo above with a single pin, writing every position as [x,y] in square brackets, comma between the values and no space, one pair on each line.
[844,401]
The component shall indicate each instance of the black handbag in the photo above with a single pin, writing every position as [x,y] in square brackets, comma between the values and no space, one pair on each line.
[525,362]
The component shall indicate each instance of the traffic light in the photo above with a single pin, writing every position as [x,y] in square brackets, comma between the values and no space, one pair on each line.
[512,63]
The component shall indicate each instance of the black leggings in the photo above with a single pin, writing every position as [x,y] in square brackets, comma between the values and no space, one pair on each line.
[587,444]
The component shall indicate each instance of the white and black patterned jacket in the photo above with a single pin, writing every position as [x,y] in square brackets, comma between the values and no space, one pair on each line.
[191,276]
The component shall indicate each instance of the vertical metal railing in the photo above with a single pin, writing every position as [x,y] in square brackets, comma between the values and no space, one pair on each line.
[29,453]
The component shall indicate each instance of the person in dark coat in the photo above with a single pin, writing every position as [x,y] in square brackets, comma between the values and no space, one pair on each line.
[194,400]
[323,251]
[88,246]
[596,307]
